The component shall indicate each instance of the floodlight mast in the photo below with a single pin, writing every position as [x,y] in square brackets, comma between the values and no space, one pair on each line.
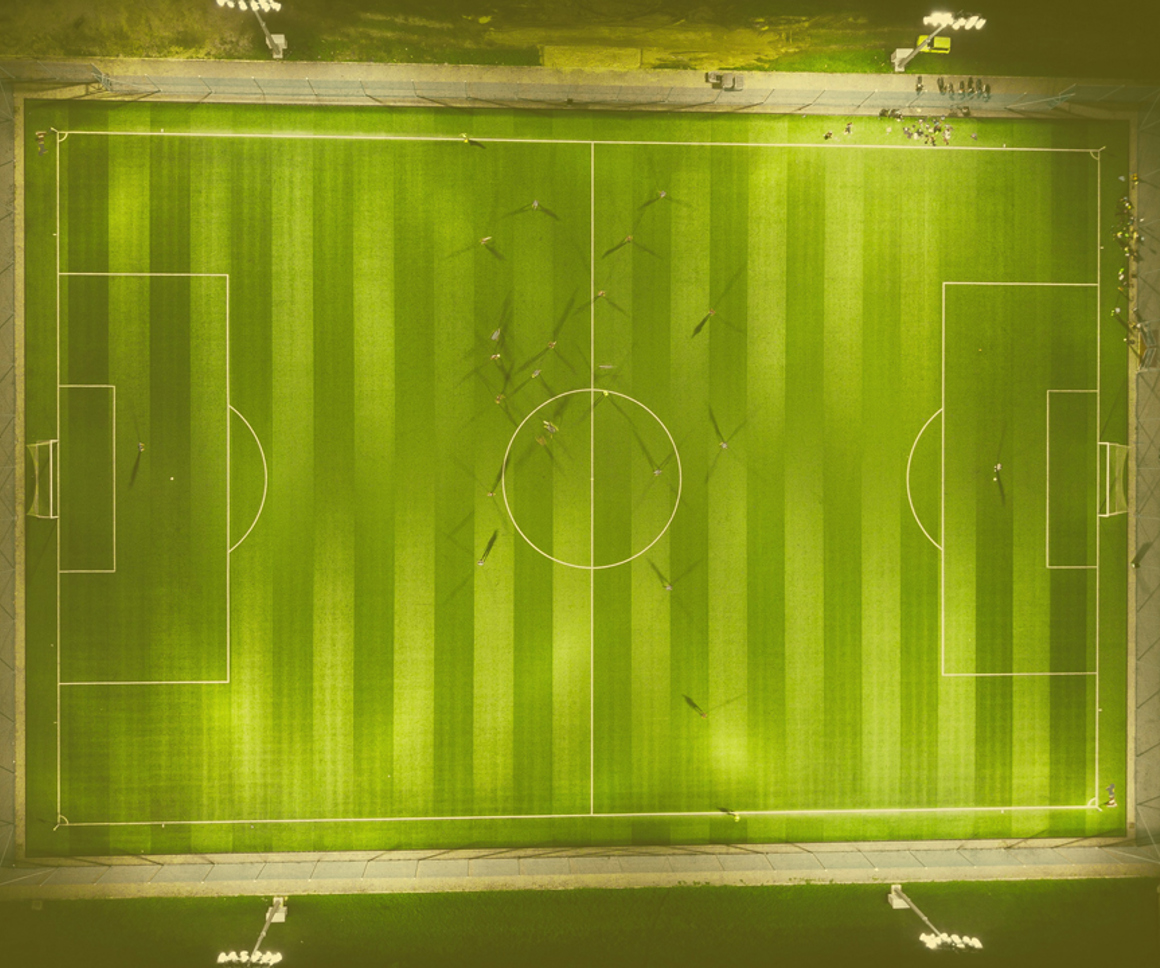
[937,938]
[276,42]
[940,21]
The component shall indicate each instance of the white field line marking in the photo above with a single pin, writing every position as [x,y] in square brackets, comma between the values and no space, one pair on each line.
[151,275]
[229,511]
[287,136]
[592,480]
[856,812]
[148,682]
[265,480]
[999,675]
[908,462]
[592,144]
[56,644]
[1047,492]
[1073,285]
[135,682]
[515,521]
[942,551]
[942,558]
[1099,425]
[1107,481]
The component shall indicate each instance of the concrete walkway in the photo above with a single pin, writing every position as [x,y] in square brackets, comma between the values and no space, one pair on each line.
[537,87]
[560,869]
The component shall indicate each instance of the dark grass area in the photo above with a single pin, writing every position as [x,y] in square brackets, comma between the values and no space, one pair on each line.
[1022,38]
[1060,923]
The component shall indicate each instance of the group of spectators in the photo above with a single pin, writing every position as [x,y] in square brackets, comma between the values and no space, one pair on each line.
[930,132]
[971,87]
[1127,233]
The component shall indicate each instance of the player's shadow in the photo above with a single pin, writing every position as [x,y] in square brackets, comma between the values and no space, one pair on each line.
[670,585]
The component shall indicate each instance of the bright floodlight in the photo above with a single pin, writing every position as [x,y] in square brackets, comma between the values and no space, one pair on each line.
[276,42]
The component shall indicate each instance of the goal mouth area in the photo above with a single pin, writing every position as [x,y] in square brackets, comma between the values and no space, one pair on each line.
[44,460]
[1114,481]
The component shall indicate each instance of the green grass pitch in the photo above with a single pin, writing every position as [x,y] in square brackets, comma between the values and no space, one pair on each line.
[269,630]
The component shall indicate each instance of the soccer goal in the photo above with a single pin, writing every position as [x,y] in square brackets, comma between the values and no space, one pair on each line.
[1114,471]
[44,454]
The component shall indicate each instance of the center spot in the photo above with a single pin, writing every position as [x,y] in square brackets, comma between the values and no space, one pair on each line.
[592,478]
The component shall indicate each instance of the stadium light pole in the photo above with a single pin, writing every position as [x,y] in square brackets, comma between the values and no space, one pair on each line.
[276,42]
[937,939]
[940,21]
[276,914]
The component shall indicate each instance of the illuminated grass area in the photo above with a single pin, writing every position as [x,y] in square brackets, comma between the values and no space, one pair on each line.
[332,328]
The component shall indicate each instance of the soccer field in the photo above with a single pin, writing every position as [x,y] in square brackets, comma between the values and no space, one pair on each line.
[396,491]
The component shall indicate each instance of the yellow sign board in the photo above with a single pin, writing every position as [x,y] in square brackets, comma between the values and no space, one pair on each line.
[941,45]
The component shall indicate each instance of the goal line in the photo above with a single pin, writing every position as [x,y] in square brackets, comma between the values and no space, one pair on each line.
[45,460]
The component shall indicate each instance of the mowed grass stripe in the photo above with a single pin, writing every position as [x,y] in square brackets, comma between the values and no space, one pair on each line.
[250,622]
[652,495]
[415,589]
[514,296]
[805,603]
[128,246]
[333,480]
[290,505]
[917,277]
[545,283]
[454,206]
[884,513]
[727,486]
[617,721]
[225,200]
[374,435]
[690,785]
[843,445]
[765,358]
[485,275]
[572,712]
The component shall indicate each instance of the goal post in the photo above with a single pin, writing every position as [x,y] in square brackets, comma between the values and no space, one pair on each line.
[1113,479]
[45,461]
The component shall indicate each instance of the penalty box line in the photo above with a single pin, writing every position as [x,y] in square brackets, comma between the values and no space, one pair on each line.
[942,554]
[229,407]
[1094,673]
[483,139]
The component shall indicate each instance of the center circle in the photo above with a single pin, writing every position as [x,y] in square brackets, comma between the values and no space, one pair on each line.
[638,427]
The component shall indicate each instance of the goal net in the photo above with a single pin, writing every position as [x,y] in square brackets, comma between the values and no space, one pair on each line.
[1114,471]
[45,464]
